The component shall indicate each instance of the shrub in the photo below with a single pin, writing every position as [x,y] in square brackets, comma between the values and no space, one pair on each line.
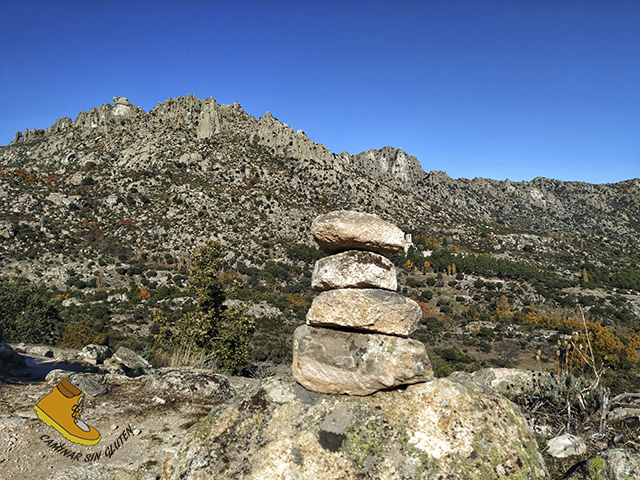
[212,328]
[27,314]
[77,335]
[426,295]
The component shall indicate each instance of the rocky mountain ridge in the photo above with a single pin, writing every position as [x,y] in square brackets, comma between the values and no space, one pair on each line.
[136,139]
[100,214]
[117,198]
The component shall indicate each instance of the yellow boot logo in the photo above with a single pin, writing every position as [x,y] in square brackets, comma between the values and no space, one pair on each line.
[61,409]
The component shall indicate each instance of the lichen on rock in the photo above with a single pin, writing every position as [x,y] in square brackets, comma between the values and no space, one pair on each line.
[439,429]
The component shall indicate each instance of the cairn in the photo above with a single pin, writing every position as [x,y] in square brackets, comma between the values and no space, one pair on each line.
[355,339]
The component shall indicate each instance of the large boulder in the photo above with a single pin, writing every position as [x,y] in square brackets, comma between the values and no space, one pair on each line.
[348,230]
[9,359]
[435,430]
[354,269]
[135,364]
[333,361]
[368,309]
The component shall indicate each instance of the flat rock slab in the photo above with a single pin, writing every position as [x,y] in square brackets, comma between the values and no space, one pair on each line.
[348,230]
[88,383]
[40,350]
[367,309]
[354,269]
[332,361]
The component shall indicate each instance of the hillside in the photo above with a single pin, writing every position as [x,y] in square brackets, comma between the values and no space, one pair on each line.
[99,215]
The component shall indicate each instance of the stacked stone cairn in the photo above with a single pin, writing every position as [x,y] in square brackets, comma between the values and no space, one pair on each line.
[355,340]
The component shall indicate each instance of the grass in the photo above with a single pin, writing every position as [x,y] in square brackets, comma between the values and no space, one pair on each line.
[180,357]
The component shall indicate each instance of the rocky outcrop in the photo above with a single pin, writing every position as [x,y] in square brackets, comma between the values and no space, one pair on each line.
[390,166]
[281,140]
[96,354]
[508,381]
[439,429]
[141,420]
[190,383]
[122,107]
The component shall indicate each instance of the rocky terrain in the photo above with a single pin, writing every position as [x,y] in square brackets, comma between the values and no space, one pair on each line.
[99,216]
[141,414]
[97,208]
[192,423]
[191,168]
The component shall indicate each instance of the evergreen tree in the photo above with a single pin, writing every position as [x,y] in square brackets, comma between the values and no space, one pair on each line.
[214,327]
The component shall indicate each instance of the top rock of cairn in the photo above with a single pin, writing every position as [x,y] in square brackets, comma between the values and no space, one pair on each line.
[348,230]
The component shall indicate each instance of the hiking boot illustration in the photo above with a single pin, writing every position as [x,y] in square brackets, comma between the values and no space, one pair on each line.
[61,409]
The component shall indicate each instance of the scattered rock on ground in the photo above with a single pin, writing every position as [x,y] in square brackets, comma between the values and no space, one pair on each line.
[11,422]
[566,445]
[613,464]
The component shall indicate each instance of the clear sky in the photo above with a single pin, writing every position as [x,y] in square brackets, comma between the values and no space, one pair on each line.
[498,89]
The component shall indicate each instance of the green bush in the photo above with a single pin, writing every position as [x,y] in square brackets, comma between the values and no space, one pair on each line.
[27,314]
[212,328]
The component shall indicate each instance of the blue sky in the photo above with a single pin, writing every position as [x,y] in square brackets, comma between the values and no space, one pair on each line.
[498,89]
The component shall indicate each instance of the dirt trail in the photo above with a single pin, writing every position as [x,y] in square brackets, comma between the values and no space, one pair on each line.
[139,429]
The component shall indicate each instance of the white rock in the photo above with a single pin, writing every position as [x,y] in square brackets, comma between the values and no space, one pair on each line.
[354,269]
[565,446]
